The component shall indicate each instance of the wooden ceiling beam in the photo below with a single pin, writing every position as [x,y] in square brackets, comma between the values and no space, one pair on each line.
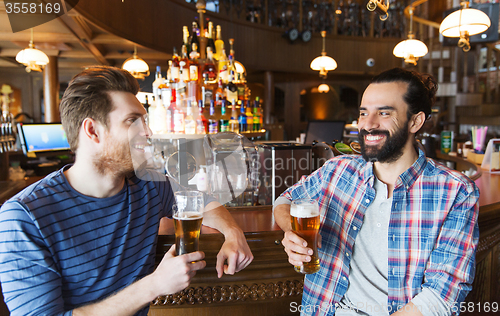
[25,36]
[81,32]
[11,61]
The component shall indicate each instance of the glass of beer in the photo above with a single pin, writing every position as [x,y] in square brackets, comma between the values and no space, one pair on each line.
[188,215]
[305,223]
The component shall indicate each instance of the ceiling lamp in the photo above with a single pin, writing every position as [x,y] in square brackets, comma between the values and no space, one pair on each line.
[32,58]
[323,88]
[410,49]
[323,63]
[464,23]
[379,7]
[136,66]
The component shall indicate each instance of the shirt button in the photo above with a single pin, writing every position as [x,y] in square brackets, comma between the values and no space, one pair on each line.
[344,278]
[347,254]
[367,201]
[396,204]
[354,228]
[378,225]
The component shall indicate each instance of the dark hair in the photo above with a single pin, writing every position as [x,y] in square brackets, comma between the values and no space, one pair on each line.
[422,88]
[87,97]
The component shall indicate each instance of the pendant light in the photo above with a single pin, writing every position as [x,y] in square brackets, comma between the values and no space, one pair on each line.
[410,49]
[323,88]
[32,58]
[380,7]
[136,66]
[464,23]
[323,63]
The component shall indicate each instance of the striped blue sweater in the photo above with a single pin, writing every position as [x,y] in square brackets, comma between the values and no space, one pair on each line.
[60,249]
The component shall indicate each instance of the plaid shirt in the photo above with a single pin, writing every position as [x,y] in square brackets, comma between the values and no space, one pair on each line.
[433,232]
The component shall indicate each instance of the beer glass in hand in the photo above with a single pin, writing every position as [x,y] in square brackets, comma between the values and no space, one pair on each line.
[188,215]
[305,223]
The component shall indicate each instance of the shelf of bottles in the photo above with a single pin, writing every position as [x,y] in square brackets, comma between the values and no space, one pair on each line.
[203,95]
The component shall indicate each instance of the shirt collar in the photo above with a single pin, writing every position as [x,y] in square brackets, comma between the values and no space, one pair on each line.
[407,178]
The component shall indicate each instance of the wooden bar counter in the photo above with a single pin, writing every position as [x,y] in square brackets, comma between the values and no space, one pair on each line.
[266,287]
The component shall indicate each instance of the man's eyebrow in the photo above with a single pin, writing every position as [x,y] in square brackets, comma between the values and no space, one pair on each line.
[133,115]
[385,107]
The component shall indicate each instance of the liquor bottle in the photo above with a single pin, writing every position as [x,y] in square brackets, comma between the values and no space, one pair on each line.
[170,111]
[231,88]
[206,90]
[169,74]
[231,50]
[224,118]
[261,117]
[219,44]
[242,118]
[194,37]
[160,117]
[146,104]
[193,63]
[158,81]
[209,69]
[223,67]
[256,115]
[184,65]
[213,122]
[219,94]
[179,121]
[240,84]
[185,37]
[210,36]
[201,120]
[230,66]
[175,70]
[166,96]
[189,121]
[249,117]
[234,125]
[151,115]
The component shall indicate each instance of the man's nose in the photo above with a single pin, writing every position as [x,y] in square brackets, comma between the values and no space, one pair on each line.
[148,132]
[371,122]
[145,126]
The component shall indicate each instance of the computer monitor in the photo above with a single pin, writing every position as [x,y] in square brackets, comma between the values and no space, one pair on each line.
[324,131]
[42,140]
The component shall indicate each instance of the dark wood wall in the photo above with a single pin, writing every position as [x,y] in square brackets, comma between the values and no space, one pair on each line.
[158,25]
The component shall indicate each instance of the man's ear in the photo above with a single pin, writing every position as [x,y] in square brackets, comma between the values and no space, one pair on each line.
[416,122]
[91,130]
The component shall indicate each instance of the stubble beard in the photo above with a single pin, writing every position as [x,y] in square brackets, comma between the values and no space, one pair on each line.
[114,160]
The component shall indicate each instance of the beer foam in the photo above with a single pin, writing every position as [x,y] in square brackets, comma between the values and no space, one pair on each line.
[304,211]
[188,216]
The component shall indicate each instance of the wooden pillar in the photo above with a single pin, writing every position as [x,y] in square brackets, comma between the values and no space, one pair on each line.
[268,96]
[488,74]
[51,91]
[497,73]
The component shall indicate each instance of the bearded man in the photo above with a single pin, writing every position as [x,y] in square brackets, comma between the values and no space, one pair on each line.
[82,241]
[398,230]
